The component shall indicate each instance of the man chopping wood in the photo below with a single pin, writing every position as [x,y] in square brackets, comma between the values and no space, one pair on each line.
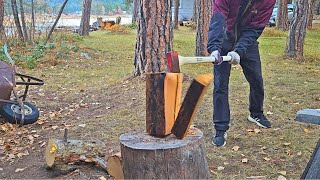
[235,27]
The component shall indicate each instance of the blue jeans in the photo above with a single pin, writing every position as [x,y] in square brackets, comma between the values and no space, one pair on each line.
[251,65]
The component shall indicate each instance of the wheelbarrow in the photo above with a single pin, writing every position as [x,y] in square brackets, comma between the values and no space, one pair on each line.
[13,107]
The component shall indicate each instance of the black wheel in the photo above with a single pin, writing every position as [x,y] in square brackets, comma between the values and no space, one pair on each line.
[12,113]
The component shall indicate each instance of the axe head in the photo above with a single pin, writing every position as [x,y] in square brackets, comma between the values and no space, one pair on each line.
[173,62]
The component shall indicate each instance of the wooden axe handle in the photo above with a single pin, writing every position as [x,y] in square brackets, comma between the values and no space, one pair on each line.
[192,60]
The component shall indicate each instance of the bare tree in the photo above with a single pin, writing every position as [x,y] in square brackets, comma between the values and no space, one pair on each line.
[2,32]
[297,31]
[176,13]
[23,22]
[282,21]
[16,19]
[136,10]
[204,7]
[154,38]
[33,23]
[56,22]
[85,19]
[310,13]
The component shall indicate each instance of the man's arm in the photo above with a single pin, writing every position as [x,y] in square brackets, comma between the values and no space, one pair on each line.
[218,24]
[250,34]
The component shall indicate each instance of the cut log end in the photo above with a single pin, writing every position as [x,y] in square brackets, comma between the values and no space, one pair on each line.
[114,167]
[51,152]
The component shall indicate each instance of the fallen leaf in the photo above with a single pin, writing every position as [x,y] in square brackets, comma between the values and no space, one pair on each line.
[267,159]
[226,163]
[108,107]
[274,97]
[299,153]
[1,169]
[286,144]
[102,178]
[7,147]
[250,130]
[30,137]
[256,177]
[54,127]
[263,148]
[269,113]
[82,125]
[257,131]
[282,178]
[43,144]
[40,122]
[245,160]
[134,98]
[236,148]
[296,103]
[306,130]
[283,173]
[220,168]
[36,135]
[19,170]
[276,129]
[11,156]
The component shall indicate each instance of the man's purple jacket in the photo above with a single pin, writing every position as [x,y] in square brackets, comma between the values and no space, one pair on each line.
[226,17]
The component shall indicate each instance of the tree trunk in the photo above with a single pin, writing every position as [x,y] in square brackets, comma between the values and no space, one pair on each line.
[148,157]
[16,19]
[195,15]
[176,13]
[154,38]
[282,16]
[56,22]
[23,22]
[310,13]
[85,19]
[2,32]
[204,7]
[32,20]
[318,8]
[136,11]
[297,31]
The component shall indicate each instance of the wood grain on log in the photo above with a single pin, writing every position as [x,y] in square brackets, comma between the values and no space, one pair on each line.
[114,167]
[148,157]
[190,104]
[163,96]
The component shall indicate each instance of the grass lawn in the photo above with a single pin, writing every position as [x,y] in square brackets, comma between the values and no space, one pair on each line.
[99,93]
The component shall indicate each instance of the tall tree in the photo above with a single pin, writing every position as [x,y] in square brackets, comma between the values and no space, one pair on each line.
[176,13]
[154,38]
[16,18]
[2,32]
[204,9]
[310,13]
[282,16]
[23,21]
[85,19]
[318,8]
[136,10]
[297,31]
[33,23]
[55,22]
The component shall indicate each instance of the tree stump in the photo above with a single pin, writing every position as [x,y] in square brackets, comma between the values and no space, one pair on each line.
[148,157]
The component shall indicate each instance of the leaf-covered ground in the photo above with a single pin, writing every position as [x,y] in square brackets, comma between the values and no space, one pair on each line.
[96,98]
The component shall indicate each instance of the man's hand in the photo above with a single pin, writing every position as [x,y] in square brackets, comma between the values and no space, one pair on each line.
[235,58]
[216,55]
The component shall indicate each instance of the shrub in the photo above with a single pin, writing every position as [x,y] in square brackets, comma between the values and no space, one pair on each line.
[118,29]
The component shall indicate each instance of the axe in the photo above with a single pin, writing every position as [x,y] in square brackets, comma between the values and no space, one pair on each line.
[175,61]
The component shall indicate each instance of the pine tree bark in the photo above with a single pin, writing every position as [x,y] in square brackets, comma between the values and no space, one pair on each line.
[154,38]
[204,7]
[2,32]
[176,13]
[297,31]
[23,22]
[310,13]
[195,15]
[282,21]
[85,19]
[16,19]
[136,11]
[318,8]
[56,22]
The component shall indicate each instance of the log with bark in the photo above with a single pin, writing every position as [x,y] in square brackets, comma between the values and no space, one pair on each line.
[191,104]
[61,151]
[149,157]
[163,96]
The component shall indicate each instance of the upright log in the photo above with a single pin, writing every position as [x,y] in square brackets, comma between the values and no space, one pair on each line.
[163,96]
[148,157]
[191,104]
